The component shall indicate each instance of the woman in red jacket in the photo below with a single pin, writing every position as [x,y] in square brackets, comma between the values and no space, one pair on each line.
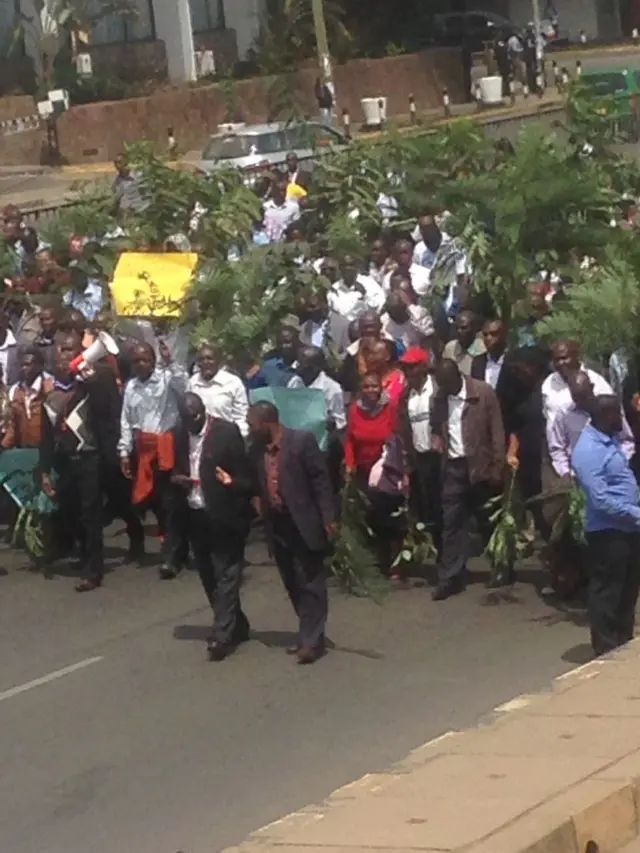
[374,460]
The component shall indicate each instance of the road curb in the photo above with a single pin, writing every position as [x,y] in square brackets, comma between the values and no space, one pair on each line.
[597,811]
[429,123]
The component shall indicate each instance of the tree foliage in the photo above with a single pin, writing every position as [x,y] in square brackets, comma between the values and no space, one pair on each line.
[541,204]
[243,302]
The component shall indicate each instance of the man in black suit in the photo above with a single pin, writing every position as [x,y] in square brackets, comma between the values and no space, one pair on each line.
[80,431]
[493,367]
[212,463]
[298,507]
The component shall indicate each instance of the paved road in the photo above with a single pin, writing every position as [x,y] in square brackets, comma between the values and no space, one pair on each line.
[147,746]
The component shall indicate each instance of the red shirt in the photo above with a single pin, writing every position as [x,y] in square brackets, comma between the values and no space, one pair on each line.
[367,436]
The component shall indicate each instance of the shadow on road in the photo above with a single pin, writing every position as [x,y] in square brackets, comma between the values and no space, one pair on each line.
[580,654]
[269,639]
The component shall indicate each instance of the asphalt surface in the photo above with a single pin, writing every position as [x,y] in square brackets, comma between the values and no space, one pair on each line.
[119,735]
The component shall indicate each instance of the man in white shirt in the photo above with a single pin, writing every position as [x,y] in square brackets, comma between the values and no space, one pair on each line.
[404,321]
[86,294]
[150,413]
[556,394]
[222,392]
[9,361]
[213,469]
[488,365]
[354,292]
[429,250]
[310,374]
[424,461]
[402,260]
[279,213]
[467,428]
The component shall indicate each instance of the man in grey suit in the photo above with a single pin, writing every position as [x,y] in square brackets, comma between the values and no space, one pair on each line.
[298,508]
[320,327]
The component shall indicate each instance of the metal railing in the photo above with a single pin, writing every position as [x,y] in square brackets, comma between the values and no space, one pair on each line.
[41,212]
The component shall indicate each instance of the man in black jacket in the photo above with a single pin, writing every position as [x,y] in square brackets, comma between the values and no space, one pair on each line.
[298,507]
[80,430]
[494,367]
[212,463]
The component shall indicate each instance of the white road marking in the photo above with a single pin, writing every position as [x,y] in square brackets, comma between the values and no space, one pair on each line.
[45,679]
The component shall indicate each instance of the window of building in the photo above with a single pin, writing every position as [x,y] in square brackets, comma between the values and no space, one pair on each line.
[207,15]
[116,28]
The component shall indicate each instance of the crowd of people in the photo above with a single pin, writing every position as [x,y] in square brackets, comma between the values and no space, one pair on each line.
[430,406]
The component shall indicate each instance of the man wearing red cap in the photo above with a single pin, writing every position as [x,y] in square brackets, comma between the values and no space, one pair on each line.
[425,462]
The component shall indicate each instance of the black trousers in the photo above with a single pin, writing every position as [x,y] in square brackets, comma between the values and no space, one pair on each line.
[119,504]
[613,565]
[304,577]
[218,554]
[531,65]
[426,493]
[505,70]
[79,515]
[169,504]
[461,502]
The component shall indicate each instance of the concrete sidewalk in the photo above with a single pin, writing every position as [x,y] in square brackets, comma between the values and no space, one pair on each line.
[548,774]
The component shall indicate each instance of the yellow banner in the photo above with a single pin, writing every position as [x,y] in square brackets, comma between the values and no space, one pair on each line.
[149,285]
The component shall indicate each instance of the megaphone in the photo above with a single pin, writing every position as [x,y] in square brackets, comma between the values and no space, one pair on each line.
[103,345]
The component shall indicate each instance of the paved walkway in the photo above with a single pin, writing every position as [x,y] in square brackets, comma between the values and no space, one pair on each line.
[556,772]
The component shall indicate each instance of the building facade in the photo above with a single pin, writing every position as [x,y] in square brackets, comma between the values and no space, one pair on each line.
[183,26]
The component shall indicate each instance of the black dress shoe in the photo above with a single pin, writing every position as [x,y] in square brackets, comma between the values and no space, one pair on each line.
[448,589]
[88,585]
[168,573]
[219,651]
[320,648]
[308,655]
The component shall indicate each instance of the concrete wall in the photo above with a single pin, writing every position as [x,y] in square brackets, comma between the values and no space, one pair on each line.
[98,131]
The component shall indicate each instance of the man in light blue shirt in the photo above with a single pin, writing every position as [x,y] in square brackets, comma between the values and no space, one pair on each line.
[86,294]
[612,526]
[150,412]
